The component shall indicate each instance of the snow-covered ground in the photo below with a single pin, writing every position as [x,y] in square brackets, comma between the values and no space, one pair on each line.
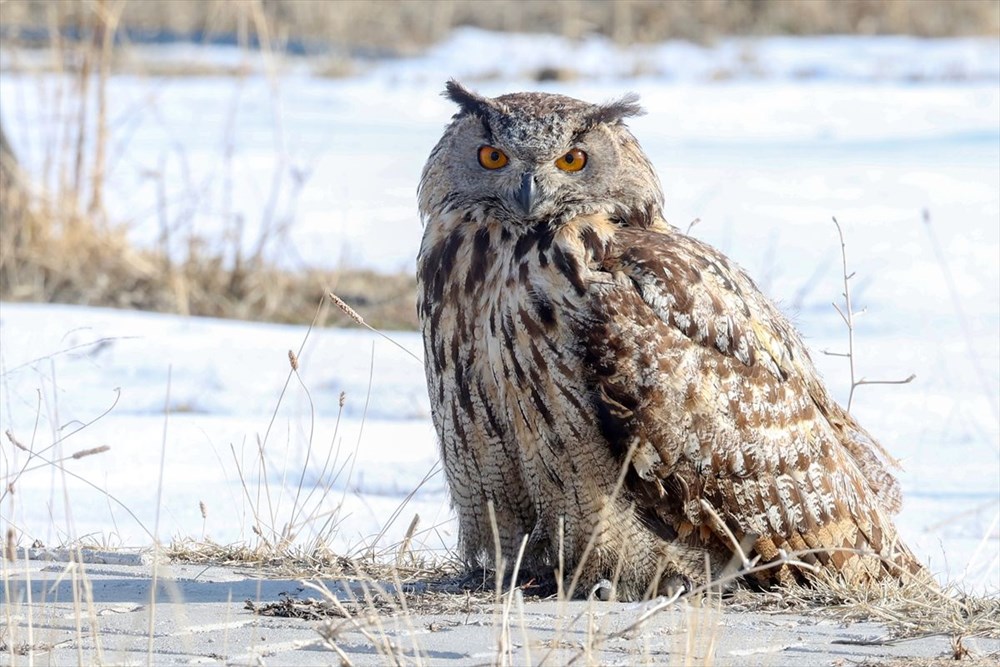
[763,141]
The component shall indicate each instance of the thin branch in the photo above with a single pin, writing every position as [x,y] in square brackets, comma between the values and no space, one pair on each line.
[906,380]
[848,315]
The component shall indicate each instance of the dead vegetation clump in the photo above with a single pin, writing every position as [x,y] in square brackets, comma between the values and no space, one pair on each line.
[262,557]
[55,259]
[57,244]
[53,256]
[300,561]
[943,661]
[914,609]
[53,249]
[309,609]
[52,252]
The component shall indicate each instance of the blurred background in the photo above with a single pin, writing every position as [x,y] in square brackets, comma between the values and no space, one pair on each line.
[232,157]
[240,158]
[404,27]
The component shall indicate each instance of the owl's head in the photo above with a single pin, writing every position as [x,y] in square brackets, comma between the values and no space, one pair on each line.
[524,158]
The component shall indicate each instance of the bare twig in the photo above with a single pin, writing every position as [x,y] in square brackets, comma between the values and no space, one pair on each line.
[848,315]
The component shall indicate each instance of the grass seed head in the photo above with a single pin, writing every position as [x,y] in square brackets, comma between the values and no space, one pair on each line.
[90,452]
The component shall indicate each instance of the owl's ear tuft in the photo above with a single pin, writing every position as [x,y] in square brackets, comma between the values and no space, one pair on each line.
[469,101]
[614,112]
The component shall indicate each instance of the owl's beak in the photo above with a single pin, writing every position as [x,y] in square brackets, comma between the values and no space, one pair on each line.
[526,194]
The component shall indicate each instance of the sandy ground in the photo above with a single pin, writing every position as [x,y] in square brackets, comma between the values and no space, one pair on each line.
[101,613]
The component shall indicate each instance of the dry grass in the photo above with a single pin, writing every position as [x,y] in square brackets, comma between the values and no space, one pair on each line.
[48,256]
[944,661]
[52,252]
[312,562]
[71,261]
[404,26]
[57,246]
[914,609]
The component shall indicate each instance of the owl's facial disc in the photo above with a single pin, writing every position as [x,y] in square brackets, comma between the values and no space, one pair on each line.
[525,158]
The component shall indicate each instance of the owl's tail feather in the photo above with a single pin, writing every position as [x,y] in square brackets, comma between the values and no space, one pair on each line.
[855,551]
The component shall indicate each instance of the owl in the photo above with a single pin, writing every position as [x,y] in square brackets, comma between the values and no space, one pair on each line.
[611,394]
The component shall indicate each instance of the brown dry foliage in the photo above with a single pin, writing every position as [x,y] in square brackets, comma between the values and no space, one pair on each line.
[51,252]
[912,609]
[400,26]
[291,560]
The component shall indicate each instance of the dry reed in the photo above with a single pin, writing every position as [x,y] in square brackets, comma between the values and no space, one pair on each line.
[402,26]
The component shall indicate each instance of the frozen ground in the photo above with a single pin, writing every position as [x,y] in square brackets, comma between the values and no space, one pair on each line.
[200,618]
[871,131]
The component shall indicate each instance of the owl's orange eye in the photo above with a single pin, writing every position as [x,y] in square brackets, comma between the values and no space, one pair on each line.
[492,158]
[572,161]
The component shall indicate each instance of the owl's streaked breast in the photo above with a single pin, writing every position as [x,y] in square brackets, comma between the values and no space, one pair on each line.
[502,310]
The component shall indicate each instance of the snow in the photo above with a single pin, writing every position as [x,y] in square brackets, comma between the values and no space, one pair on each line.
[761,140]
[202,393]
[472,53]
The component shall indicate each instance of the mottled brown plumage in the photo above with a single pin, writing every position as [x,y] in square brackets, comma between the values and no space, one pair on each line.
[612,385]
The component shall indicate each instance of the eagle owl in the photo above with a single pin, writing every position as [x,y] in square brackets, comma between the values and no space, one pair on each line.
[612,389]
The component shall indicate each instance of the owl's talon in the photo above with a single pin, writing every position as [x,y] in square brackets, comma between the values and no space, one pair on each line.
[603,590]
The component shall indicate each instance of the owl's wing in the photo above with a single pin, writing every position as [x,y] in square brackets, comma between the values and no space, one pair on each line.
[711,389]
